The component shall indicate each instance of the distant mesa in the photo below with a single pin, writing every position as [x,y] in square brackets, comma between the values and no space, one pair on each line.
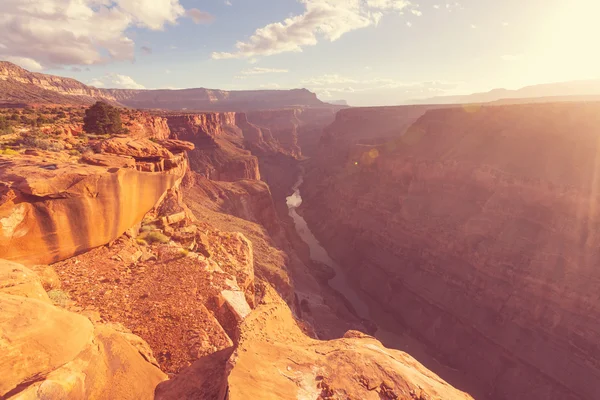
[585,90]
[19,86]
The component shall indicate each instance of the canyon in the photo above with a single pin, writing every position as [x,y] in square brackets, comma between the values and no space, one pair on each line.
[294,249]
[476,229]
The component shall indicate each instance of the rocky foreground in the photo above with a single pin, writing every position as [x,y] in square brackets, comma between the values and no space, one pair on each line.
[476,232]
[165,282]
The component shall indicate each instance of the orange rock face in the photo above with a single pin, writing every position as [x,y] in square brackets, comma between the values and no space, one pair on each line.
[476,230]
[276,360]
[51,211]
[219,152]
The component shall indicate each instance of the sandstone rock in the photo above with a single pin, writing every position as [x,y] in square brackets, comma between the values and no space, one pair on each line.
[236,302]
[17,280]
[78,206]
[289,365]
[47,352]
[36,339]
[109,160]
[177,146]
[139,148]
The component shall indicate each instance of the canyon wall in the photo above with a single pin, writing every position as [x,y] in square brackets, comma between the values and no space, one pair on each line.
[477,230]
[220,153]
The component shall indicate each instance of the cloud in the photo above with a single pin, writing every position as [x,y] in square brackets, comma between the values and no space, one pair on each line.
[259,71]
[473,26]
[76,69]
[228,3]
[416,12]
[200,17]
[333,85]
[146,49]
[25,62]
[409,24]
[322,19]
[116,81]
[79,32]
[505,24]
[436,6]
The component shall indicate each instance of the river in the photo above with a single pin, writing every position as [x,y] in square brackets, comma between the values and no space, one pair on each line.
[397,337]
[339,282]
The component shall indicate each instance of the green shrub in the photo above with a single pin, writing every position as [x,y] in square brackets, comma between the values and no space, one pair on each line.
[102,118]
[148,228]
[154,237]
[41,143]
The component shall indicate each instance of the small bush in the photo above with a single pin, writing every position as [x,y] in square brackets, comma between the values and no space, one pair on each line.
[59,298]
[141,242]
[8,152]
[41,143]
[148,228]
[154,237]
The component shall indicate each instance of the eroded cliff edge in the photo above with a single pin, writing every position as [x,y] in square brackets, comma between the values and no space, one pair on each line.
[476,230]
[183,289]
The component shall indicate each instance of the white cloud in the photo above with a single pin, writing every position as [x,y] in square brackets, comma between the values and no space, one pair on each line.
[79,32]
[322,19]
[259,71]
[228,3]
[473,26]
[436,6]
[505,24]
[116,81]
[333,85]
[416,12]
[200,17]
[409,24]
[25,62]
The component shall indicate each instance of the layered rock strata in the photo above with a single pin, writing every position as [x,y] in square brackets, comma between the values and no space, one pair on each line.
[475,230]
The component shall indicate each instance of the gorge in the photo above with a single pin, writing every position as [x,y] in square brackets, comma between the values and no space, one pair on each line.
[301,251]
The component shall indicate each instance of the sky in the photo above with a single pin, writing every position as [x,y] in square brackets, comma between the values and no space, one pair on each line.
[367,52]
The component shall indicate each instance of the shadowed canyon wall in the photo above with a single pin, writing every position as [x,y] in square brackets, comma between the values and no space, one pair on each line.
[478,230]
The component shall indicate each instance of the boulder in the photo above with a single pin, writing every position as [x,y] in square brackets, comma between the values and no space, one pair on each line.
[48,352]
[139,148]
[177,146]
[109,160]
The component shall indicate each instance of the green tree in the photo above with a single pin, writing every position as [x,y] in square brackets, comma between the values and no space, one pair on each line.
[102,118]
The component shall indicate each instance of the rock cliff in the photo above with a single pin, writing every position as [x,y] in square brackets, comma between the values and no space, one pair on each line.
[199,279]
[51,210]
[220,153]
[476,232]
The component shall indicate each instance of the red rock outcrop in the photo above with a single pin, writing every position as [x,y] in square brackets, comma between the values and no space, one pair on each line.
[476,231]
[144,125]
[51,211]
[220,153]
[275,352]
